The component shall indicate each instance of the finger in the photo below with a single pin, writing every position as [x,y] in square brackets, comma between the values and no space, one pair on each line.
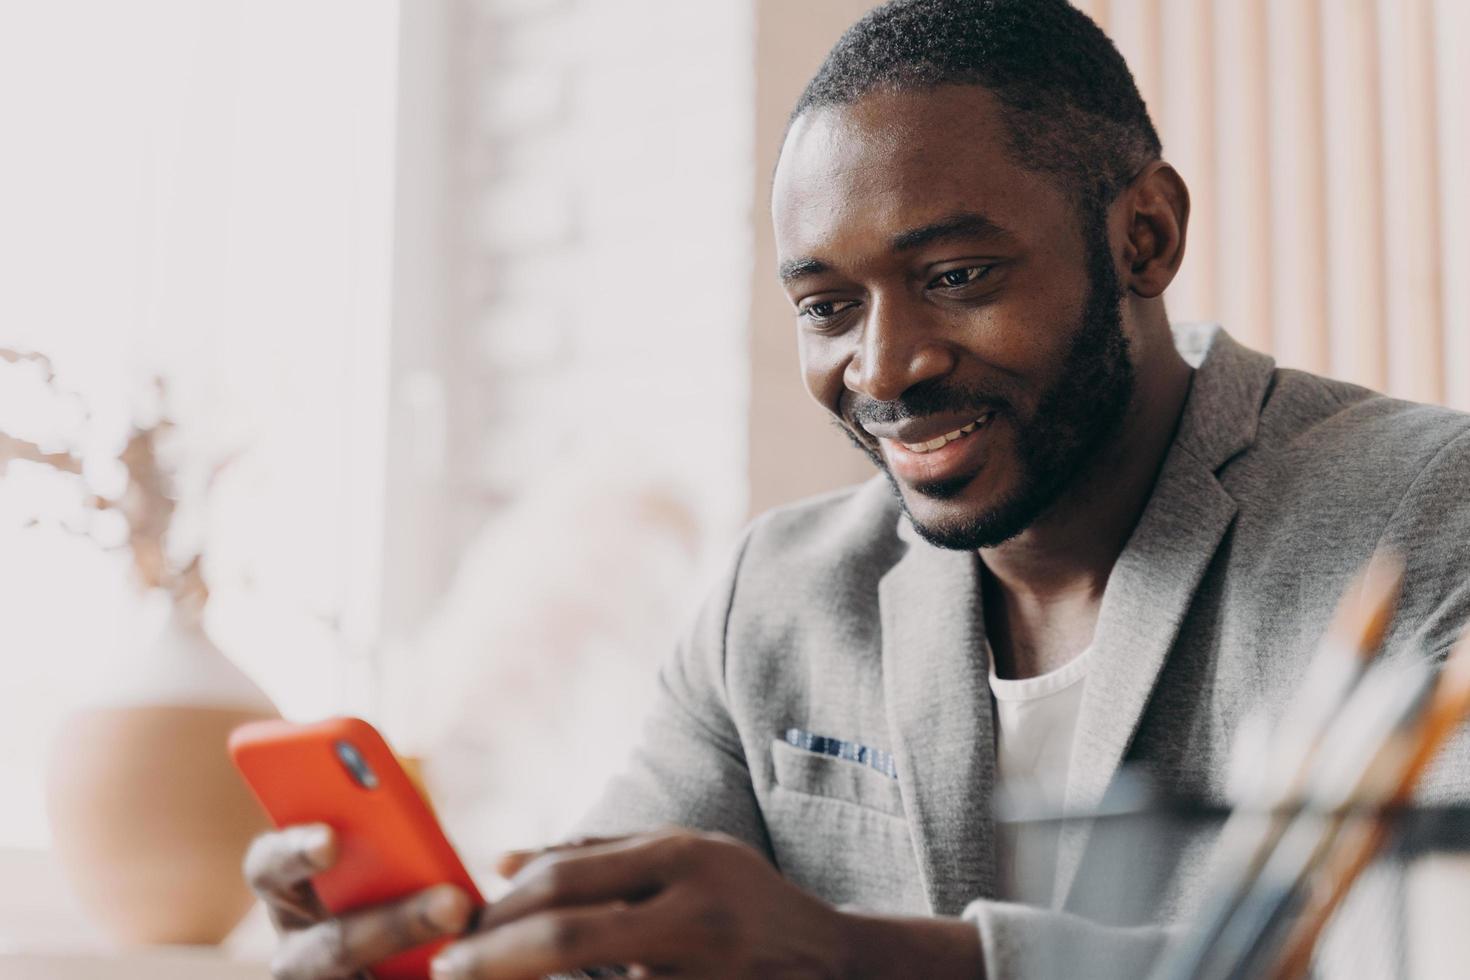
[511,862]
[279,865]
[340,947]
[560,941]
[628,870]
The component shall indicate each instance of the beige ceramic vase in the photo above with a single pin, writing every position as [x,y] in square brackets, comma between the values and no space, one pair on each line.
[148,817]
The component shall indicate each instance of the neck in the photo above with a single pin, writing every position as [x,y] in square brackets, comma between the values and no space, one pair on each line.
[1044,586]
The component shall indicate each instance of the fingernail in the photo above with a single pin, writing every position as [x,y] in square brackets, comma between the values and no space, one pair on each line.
[315,842]
[444,967]
[512,861]
[447,908]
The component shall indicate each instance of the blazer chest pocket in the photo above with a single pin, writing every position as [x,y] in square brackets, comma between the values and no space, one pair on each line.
[837,829]
[814,774]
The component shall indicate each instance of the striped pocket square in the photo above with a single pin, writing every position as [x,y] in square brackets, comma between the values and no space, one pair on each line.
[851,751]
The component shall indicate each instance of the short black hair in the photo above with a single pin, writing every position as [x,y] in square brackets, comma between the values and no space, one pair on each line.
[1068,99]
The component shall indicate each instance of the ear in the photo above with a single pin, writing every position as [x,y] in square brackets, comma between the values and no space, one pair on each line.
[1157,206]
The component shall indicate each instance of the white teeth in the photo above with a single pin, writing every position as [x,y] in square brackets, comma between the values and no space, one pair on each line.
[948,437]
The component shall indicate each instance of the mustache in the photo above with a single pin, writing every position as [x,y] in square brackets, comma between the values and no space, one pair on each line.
[921,401]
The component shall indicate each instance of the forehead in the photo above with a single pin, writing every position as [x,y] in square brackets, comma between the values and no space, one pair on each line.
[893,161]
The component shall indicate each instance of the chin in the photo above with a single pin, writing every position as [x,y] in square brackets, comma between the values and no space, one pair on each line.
[968,531]
[966,515]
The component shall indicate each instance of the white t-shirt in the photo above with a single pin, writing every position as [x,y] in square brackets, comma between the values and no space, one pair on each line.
[1035,722]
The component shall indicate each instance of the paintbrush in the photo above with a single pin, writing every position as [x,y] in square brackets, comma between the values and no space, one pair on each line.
[1363,751]
[1364,835]
[1268,803]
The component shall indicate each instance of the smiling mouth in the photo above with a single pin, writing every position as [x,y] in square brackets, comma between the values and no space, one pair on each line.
[939,442]
[958,454]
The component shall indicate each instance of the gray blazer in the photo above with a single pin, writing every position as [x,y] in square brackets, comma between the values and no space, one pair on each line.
[835,620]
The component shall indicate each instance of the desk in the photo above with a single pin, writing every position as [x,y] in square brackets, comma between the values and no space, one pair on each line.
[181,964]
[44,935]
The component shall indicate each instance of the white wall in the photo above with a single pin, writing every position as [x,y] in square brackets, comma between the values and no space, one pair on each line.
[587,332]
[211,191]
[187,192]
[599,177]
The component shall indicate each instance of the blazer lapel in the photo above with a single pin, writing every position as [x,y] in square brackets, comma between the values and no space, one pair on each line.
[937,690]
[1144,603]
[1155,578]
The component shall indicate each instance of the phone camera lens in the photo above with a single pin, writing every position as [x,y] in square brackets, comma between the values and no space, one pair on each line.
[362,774]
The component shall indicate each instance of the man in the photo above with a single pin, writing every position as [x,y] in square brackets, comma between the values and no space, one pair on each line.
[975,229]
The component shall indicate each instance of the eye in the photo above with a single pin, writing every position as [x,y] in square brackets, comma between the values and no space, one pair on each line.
[824,311]
[957,278]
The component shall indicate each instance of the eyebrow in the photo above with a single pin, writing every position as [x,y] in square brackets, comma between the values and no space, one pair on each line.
[794,269]
[962,224]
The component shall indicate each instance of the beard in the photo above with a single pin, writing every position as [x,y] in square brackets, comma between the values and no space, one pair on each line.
[1073,420]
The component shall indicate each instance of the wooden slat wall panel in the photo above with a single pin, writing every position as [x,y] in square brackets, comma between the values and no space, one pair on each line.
[1298,204]
[1326,144]
[1411,199]
[1355,310]
[1185,117]
[1452,61]
[1136,28]
[1246,272]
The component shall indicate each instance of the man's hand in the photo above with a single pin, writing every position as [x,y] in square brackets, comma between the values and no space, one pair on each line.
[316,946]
[684,904]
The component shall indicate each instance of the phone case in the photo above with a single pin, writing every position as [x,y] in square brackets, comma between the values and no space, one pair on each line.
[389,842]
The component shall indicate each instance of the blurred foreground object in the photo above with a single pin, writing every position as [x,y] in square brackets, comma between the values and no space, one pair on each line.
[1335,783]
[147,816]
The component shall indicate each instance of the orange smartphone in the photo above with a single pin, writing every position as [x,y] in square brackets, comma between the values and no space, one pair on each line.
[340,772]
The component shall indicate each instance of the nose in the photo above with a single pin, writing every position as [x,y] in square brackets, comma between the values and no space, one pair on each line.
[896,350]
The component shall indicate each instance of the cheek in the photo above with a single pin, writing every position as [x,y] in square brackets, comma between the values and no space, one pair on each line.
[1029,339]
[822,365]
[1037,327]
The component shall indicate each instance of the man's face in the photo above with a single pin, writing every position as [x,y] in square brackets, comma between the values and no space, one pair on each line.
[956,314]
